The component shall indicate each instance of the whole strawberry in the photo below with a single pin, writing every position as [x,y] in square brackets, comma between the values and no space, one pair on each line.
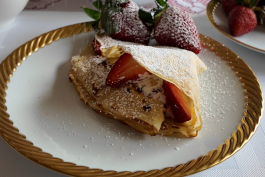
[228,5]
[176,28]
[241,20]
[129,25]
[120,19]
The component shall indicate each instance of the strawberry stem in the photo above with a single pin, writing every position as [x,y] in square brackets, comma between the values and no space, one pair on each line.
[152,16]
[162,3]
[247,3]
[98,4]
[146,16]
[107,11]
[91,13]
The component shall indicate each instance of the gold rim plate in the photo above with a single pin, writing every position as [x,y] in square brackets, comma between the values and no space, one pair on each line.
[257,35]
[241,134]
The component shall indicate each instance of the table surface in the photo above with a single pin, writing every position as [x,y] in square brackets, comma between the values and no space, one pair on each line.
[45,15]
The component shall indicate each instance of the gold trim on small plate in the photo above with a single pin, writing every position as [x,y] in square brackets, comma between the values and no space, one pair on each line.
[243,133]
[210,11]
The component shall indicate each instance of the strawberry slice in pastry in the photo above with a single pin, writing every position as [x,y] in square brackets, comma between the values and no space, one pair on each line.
[124,69]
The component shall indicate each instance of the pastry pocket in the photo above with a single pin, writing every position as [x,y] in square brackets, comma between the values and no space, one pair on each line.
[176,66]
[126,103]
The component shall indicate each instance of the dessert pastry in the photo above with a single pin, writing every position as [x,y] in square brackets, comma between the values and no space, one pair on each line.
[128,82]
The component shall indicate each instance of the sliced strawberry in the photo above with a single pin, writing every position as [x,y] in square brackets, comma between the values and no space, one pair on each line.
[179,103]
[241,20]
[124,69]
[176,28]
[228,5]
[96,47]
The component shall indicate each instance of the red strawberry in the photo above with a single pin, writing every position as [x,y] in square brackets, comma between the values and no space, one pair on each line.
[176,28]
[130,26]
[241,20]
[124,69]
[120,20]
[228,5]
[96,47]
[126,4]
[179,103]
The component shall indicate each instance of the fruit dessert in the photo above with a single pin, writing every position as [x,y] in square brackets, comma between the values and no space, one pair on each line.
[243,15]
[153,89]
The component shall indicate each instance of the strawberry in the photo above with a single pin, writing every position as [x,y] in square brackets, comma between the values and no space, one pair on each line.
[131,28]
[241,20]
[120,19]
[96,47]
[176,28]
[179,103]
[124,69]
[228,5]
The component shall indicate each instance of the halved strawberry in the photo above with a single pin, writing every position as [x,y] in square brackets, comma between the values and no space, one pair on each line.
[124,69]
[176,28]
[96,47]
[179,103]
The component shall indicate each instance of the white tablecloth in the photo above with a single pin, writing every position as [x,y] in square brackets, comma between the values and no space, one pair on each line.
[249,161]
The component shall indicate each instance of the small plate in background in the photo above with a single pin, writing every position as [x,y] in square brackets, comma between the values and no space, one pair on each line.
[253,40]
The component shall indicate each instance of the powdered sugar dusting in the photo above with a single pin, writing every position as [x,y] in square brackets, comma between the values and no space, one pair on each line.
[130,25]
[126,103]
[176,28]
[175,65]
[221,92]
[92,66]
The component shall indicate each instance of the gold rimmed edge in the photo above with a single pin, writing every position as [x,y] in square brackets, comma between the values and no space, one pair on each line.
[245,130]
[210,11]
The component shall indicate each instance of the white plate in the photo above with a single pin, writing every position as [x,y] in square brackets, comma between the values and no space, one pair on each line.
[253,40]
[47,110]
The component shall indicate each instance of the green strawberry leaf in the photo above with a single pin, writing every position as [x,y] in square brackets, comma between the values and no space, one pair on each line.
[162,3]
[108,10]
[260,12]
[240,2]
[152,17]
[98,4]
[119,1]
[247,3]
[253,3]
[92,13]
[146,16]
[157,16]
